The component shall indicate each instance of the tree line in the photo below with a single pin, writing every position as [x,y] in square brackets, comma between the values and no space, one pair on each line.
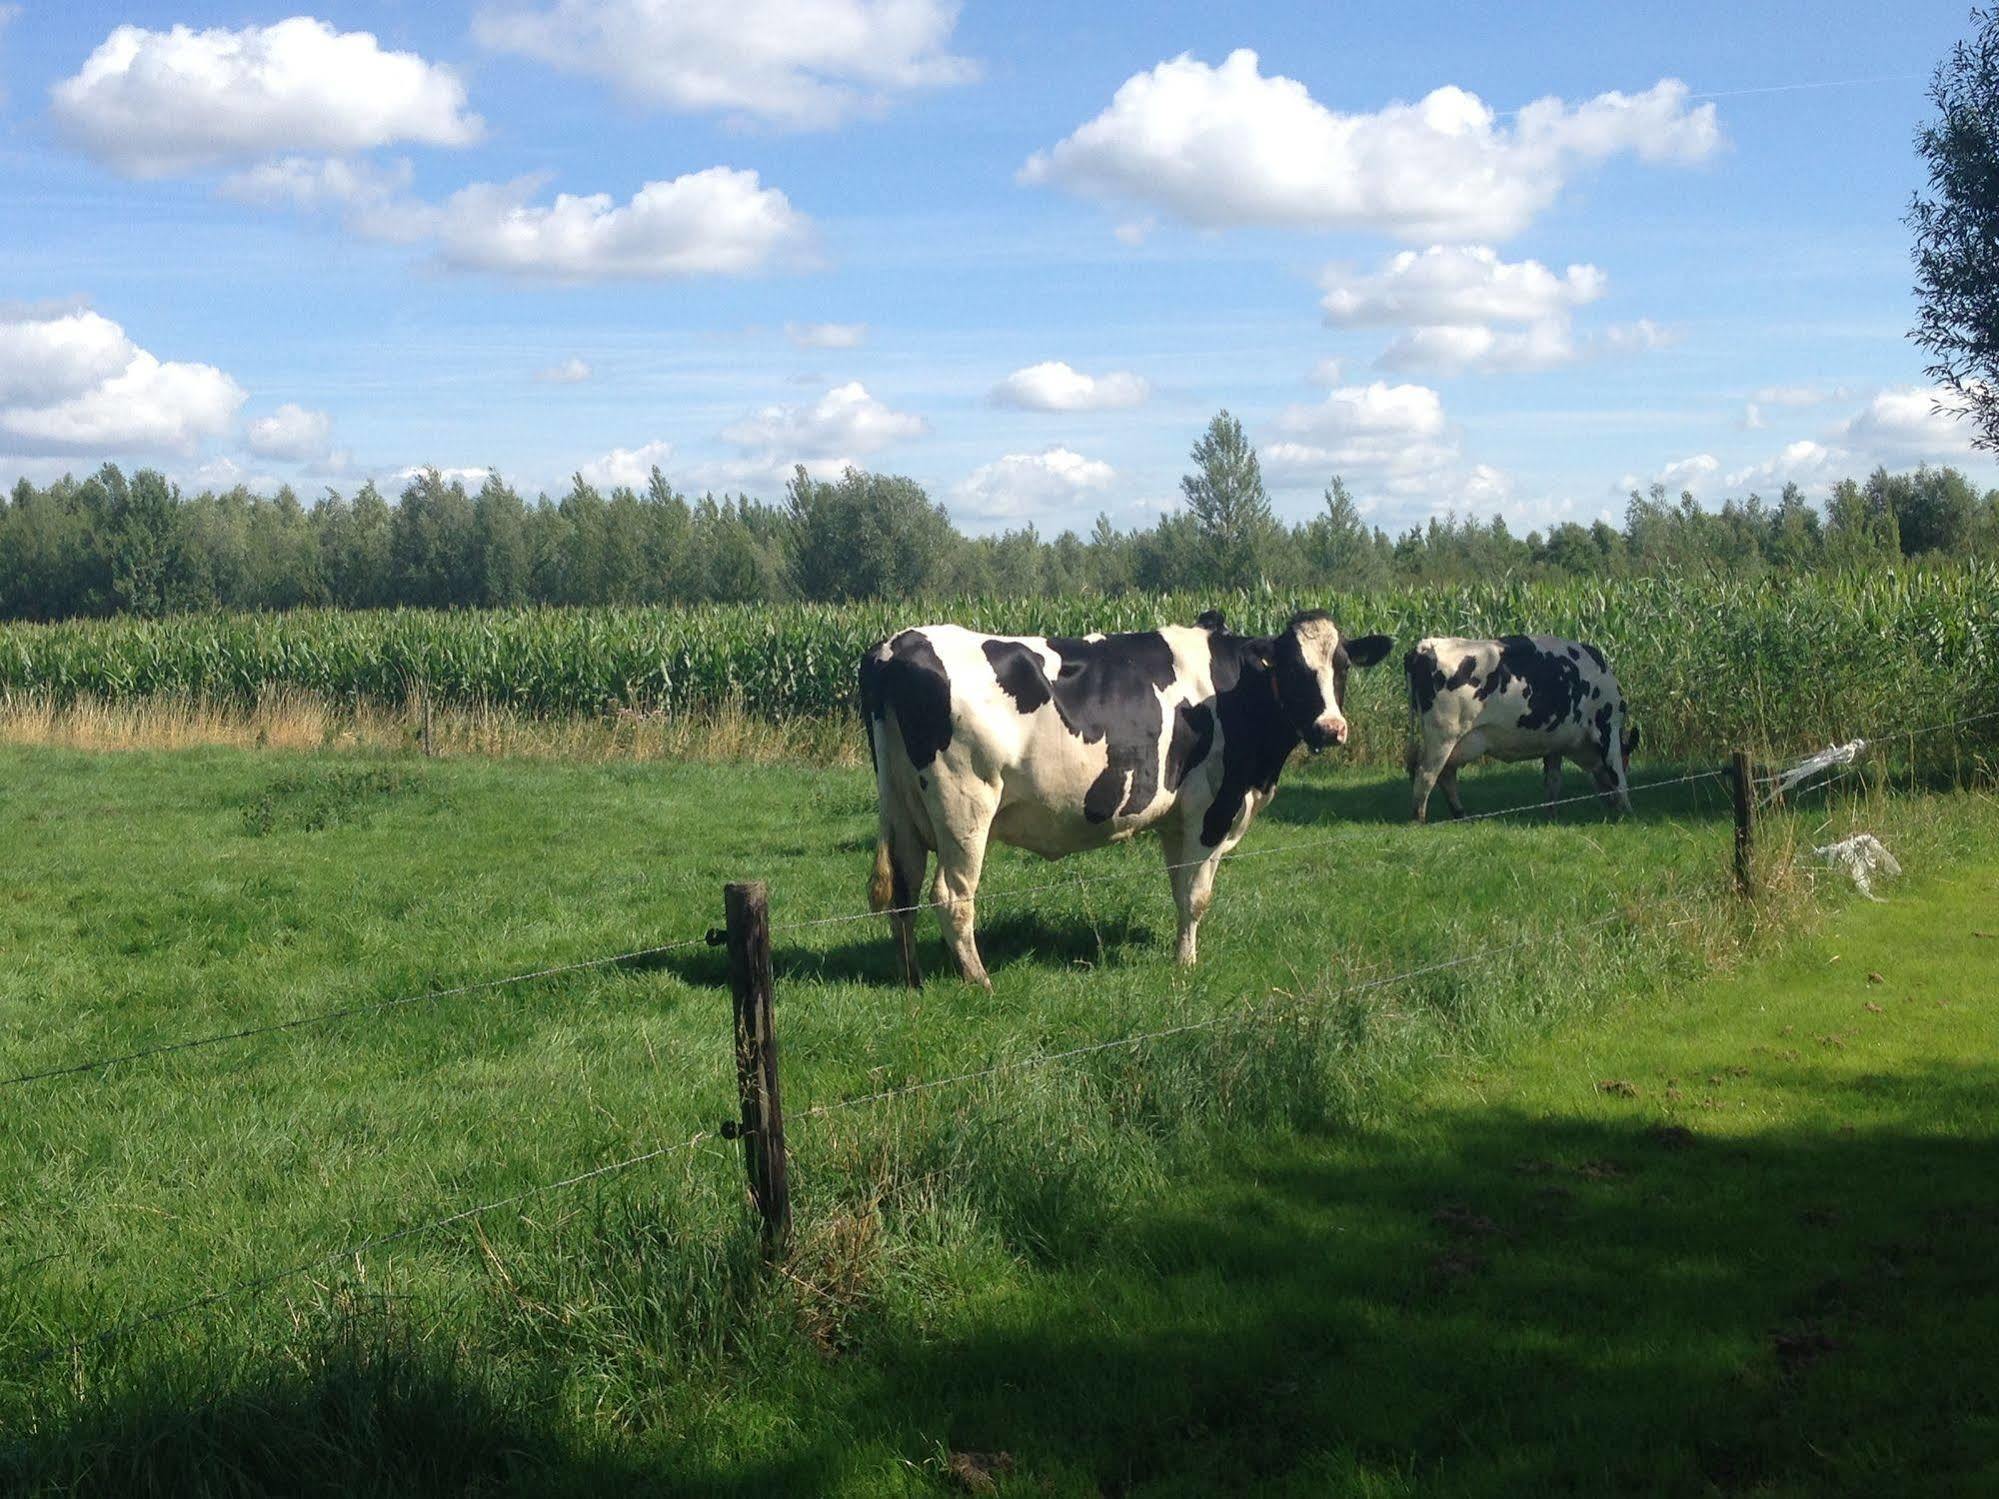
[112,543]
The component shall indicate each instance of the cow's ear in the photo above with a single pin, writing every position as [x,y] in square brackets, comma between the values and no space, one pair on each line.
[1210,619]
[1369,649]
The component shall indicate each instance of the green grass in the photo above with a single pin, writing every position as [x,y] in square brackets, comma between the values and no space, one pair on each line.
[967,1257]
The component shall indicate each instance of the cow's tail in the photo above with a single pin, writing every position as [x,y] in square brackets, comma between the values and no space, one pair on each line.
[874,722]
[1413,663]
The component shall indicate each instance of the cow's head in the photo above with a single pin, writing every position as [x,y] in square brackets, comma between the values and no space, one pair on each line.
[1630,743]
[1308,670]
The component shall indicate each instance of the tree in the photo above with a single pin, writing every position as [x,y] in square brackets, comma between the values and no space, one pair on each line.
[868,536]
[1342,550]
[1957,228]
[1232,519]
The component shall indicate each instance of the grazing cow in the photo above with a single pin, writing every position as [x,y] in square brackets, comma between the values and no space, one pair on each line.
[1060,744]
[1521,697]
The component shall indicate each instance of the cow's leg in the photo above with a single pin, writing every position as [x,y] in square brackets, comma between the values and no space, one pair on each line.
[1551,782]
[1191,866]
[961,857]
[1430,762]
[1447,782]
[907,857]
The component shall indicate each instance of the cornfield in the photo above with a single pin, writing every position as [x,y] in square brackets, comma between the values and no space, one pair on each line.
[1705,663]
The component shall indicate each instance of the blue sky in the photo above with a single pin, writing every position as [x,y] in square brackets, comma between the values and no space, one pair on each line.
[314,247]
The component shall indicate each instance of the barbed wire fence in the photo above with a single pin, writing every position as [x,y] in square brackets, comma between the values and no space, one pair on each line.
[760,1127]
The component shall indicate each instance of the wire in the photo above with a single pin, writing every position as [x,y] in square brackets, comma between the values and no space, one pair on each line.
[1240,1013]
[329,1016]
[262,1282]
[1302,845]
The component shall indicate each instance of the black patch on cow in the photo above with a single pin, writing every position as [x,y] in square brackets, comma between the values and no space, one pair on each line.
[1257,738]
[1019,672]
[1368,650]
[1297,683]
[914,683]
[1465,676]
[1107,691]
[1604,742]
[1193,739]
[1551,682]
[1210,620]
[1597,656]
[1425,680]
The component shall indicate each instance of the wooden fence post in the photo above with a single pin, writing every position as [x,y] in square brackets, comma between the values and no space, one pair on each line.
[1745,823]
[762,1123]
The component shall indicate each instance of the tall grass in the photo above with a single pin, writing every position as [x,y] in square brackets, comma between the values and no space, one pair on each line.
[1705,662]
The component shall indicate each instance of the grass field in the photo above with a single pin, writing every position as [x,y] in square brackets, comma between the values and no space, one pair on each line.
[1042,1263]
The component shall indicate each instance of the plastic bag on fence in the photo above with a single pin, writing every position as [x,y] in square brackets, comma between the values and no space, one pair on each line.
[1805,769]
[1861,857]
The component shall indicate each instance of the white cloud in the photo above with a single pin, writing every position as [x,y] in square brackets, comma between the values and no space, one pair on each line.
[1908,424]
[290,433]
[1805,463]
[1222,146]
[714,222]
[1690,473]
[826,335]
[50,358]
[1456,349]
[1752,418]
[571,371]
[1391,439]
[471,478]
[796,63]
[1054,386]
[1137,232]
[1455,284]
[73,382]
[1030,486]
[1327,371]
[152,103]
[371,197]
[839,428]
[628,468]
[1466,310]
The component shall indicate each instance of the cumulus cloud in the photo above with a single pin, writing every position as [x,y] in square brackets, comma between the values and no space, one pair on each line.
[471,477]
[1455,284]
[73,381]
[1464,309]
[715,222]
[1689,473]
[154,103]
[1054,386]
[1030,486]
[627,468]
[571,371]
[1227,145]
[1393,439]
[1806,463]
[826,335]
[1908,424]
[1328,371]
[839,428]
[372,198]
[290,433]
[796,63]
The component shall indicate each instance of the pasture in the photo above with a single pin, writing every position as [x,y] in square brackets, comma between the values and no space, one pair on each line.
[622,1331]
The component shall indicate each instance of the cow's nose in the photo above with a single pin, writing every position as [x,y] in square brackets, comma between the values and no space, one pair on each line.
[1335,729]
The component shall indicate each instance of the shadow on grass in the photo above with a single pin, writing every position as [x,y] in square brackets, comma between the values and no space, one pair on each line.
[1615,1307]
[1492,788]
[1485,1303]
[1015,937]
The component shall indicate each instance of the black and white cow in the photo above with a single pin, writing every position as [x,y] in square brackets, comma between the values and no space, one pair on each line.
[1061,744]
[1521,697]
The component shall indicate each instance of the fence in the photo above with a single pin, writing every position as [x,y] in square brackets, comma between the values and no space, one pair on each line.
[760,1121]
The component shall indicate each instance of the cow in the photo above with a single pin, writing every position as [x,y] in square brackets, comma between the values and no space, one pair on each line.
[1520,697]
[1059,744]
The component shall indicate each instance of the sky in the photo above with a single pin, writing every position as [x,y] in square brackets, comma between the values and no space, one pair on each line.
[1471,258]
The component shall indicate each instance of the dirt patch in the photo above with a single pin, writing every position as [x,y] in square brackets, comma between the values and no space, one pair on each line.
[1672,1137]
[1617,1087]
[1460,1221]
[978,1472]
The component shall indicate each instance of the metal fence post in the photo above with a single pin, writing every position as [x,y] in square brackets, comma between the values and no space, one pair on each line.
[762,1123]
